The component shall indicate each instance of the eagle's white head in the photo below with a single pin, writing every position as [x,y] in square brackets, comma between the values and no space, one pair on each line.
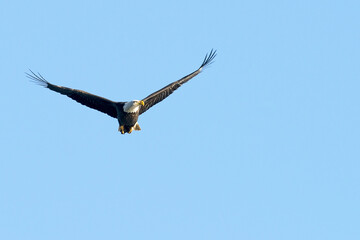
[133,106]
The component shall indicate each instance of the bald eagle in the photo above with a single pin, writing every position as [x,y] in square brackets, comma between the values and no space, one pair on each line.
[127,113]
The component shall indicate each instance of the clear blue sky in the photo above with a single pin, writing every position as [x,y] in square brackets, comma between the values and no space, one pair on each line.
[264,144]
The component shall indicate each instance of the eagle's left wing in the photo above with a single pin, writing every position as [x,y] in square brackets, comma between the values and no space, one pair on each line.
[163,93]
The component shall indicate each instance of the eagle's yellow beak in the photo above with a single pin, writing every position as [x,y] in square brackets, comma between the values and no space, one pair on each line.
[142,103]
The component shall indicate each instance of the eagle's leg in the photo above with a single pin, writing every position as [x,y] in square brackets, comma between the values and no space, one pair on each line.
[121,129]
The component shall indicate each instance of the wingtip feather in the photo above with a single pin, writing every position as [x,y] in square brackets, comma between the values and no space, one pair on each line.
[37,78]
[209,58]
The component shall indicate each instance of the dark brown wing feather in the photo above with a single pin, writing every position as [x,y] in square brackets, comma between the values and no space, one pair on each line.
[99,103]
[163,93]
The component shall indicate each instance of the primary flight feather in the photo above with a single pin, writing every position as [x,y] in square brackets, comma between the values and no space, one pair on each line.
[127,113]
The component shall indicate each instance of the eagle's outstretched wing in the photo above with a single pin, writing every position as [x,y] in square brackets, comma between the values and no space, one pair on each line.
[163,93]
[99,103]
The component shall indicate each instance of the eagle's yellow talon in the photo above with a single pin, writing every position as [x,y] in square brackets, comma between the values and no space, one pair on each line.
[131,129]
[121,129]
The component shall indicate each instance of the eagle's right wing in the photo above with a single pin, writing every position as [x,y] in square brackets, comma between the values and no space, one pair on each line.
[92,101]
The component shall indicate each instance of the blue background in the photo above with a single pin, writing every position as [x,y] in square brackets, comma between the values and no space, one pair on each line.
[264,144]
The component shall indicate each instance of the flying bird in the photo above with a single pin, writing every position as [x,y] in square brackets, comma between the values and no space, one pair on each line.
[127,113]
